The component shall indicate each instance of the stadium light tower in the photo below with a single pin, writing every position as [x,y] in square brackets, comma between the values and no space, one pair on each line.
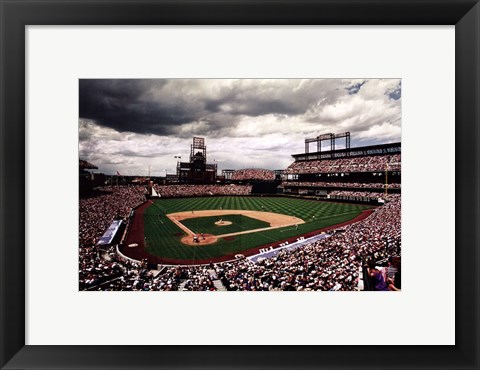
[331,137]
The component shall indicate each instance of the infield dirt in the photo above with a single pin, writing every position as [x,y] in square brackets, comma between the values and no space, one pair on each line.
[276,220]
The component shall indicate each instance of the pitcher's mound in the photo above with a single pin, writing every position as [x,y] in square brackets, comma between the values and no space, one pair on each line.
[209,239]
[222,223]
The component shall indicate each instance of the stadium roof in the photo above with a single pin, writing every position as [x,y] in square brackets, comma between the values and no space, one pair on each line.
[84,165]
[390,147]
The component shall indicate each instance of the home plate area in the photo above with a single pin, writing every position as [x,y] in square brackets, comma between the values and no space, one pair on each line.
[199,239]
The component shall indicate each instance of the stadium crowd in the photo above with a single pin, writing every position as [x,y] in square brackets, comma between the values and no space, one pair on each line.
[354,164]
[96,215]
[108,271]
[197,278]
[120,274]
[333,263]
[363,194]
[173,191]
[376,185]
[98,212]
[254,174]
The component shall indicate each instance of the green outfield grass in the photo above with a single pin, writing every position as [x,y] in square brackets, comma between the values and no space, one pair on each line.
[207,225]
[163,236]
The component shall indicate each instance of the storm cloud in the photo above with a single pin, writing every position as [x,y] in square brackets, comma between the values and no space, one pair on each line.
[128,125]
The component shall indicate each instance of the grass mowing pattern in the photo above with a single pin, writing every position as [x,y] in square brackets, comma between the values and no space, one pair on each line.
[207,225]
[163,236]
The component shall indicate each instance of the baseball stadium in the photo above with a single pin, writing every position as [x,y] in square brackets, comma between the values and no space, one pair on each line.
[330,221]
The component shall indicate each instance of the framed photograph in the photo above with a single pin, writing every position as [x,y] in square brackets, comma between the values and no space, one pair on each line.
[248,156]
[219,211]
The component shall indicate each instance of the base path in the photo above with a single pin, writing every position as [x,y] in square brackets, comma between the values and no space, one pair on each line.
[275,220]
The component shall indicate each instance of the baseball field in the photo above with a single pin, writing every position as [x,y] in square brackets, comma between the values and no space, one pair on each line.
[187,230]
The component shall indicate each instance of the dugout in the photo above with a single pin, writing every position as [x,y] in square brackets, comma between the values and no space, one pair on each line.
[112,235]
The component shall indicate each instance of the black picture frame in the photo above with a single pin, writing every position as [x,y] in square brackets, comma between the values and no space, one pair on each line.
[16,14]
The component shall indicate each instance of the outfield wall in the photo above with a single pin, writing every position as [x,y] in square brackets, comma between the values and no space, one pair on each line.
[350,199]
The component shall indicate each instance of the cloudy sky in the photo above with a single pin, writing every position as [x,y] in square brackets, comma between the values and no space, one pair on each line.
[129,125]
